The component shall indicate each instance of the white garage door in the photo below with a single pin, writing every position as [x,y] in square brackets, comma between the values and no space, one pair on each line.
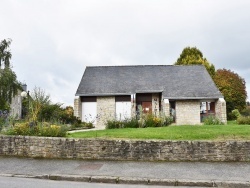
[89,112]
[123,110]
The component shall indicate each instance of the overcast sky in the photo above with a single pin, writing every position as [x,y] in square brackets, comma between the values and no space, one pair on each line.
[54,40]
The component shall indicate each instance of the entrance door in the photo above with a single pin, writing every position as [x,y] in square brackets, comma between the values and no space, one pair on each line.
[147,107]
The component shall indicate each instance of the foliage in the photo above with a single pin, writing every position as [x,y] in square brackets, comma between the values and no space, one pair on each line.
[146,120]
[42,129]
[233,88]
[243,120]
[211,120]
[127,123]
[246,111]
[235,114]
[5,54]
[2,122]
[81,125]
[113,124]
[185,132]
[8,79]
[50,112]
[37,101]
[193,56]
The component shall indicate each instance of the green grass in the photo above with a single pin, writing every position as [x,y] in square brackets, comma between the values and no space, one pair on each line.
[184,132]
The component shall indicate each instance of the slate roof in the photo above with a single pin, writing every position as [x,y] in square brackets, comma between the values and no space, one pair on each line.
[175,82]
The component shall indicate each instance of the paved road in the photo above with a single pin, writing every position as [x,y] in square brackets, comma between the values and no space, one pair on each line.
[176,171]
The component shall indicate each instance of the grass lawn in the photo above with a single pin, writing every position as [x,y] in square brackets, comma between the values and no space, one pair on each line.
[184,132]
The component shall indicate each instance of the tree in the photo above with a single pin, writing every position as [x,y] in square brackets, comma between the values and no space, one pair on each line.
[8,79]
[233,87]
[5,54]
[193,56]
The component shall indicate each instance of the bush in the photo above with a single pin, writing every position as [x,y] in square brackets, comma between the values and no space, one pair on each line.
[243,120]
[114,124]
[246,111]
[234,114]
[144,121]
[42,129]
[168,120]
[211,120]
[82,125]
[131,123]
[2,122]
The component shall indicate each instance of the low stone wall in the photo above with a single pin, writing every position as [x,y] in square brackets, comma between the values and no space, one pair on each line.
[102,149]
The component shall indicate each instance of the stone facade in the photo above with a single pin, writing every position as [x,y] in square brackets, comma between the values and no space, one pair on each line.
[188,112]
[155,104]
[105,110]
[78,107]
[221,110]
[145,150]
[166,107]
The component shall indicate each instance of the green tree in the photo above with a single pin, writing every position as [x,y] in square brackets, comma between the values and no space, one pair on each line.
[8,80]
[5,54]
[233,87]
[193,56]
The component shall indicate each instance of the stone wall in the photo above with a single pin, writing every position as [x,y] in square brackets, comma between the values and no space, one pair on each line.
[101,149]
[105,110]
[187,112]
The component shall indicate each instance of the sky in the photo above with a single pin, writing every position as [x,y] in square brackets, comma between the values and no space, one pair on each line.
[53,41]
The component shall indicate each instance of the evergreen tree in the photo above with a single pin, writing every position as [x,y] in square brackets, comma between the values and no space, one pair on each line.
[193,56]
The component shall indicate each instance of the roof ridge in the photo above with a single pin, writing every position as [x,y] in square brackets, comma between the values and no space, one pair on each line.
[139,65]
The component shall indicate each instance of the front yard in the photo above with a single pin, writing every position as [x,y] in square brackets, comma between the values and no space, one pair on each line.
[231,131]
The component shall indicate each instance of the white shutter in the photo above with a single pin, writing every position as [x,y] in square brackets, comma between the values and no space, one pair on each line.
[89,112]
[123,110]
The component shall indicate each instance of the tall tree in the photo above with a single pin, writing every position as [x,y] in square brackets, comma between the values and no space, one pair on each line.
[5,54]
[233,87]
[8,79]
[193,56]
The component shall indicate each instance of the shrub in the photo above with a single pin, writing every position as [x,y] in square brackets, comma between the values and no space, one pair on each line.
[235,114]
[149,121]
[2,122]
[52,130]
[243,120]
[211,120]
[167,120]
[246,111]
[42,129]
[82,125]
[131,123]
[146,120]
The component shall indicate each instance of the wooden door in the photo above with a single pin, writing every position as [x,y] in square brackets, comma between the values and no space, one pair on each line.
[147,107]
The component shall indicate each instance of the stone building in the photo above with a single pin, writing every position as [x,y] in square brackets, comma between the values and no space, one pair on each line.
[186,92]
